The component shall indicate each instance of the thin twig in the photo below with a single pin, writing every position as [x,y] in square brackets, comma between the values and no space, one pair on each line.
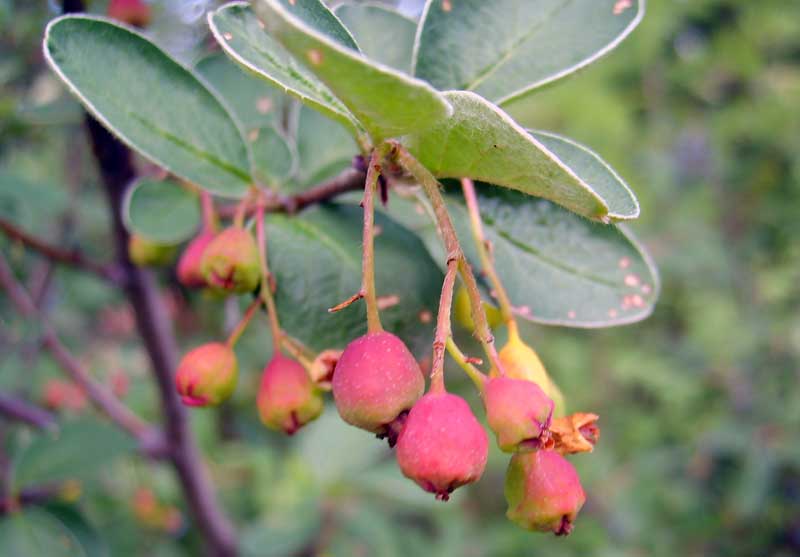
[368,257]
[103,398]
[72,258]
[443,328]
[20,410]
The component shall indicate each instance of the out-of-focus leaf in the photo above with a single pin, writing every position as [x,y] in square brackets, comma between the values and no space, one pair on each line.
[149,101]
[86,534]
[324,147]
[527,44]
[316,259]
[68,454]
[34,532]
[162,211]
[274,158]
[382,33]
[386,102]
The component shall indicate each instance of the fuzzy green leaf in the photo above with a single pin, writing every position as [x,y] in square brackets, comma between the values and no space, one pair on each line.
[324,147]
[528,43]
[558,268]
[149,101]
[482,142]
[162,211]
[383,34]
[243,39]
[386,102]
[316,259]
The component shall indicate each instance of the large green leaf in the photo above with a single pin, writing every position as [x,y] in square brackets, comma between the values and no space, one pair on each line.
[253,103]
[482,142]
[316,259]
[162,211]
[242,37]
[68,454]
[505,49]
[150,101]
[386,102]
[382,34]
[274,157]
[558,268]
[324,147]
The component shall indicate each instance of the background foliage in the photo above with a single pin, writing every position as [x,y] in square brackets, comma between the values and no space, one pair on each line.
[700,403]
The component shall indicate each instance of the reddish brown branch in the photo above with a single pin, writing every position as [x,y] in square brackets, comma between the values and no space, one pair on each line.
[73,258]
[19,410]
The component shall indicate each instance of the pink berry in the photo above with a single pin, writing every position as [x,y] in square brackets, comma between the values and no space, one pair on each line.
[207,375]
[518,412]
[375,381]
[190,272]
[287,398]
[442,445]
[543,492]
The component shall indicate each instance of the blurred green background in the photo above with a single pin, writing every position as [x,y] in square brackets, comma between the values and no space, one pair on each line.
[700,405]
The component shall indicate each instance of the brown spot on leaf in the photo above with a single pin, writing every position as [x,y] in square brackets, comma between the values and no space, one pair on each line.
[314,56]
[446,5]
[264,105]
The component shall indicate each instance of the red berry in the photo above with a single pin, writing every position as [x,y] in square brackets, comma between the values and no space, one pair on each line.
[230,262]
[190,272]
[442,445]
[207,375]
[376,380]
[543,492]
[132,12]
[518,412]
[287,398]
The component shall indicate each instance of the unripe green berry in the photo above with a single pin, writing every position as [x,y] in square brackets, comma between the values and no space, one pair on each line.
[230,262]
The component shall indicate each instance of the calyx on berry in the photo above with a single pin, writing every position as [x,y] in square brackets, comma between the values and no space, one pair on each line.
[230,262]
[375,381]
[442,446]
[543,492]
[518,412]
[287,398]
[207,375]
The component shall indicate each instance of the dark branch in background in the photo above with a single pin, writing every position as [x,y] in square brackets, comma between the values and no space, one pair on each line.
[103,398]
[35,495]
[73,258]
[19,410]
[349,180]
[117,172]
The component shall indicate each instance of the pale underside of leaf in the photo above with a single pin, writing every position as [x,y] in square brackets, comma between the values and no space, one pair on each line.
[149,101]
[480,141]
[238,31]
[532,42]
[386,102]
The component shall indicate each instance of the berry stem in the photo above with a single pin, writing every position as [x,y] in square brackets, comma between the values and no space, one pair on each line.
[472,372]
[443,329]
[482,245]
[368,257]
[242,325]
[265,292]
[209,214]
[241,211]
[431,186]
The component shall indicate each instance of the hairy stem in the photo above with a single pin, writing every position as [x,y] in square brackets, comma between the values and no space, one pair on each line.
[431,187]
[368,257]
[265,290]
[482,245]
[443,329]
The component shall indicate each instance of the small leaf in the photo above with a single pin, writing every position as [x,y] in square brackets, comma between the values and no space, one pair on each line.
[482,142]
[316,259]
[162,211]
[529,44]
[35,532]
[242,37]
[67,454]
[383,34]
[386,102]
[253,103]
[149,101]
[274,158]
[324,147]
[558,268]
